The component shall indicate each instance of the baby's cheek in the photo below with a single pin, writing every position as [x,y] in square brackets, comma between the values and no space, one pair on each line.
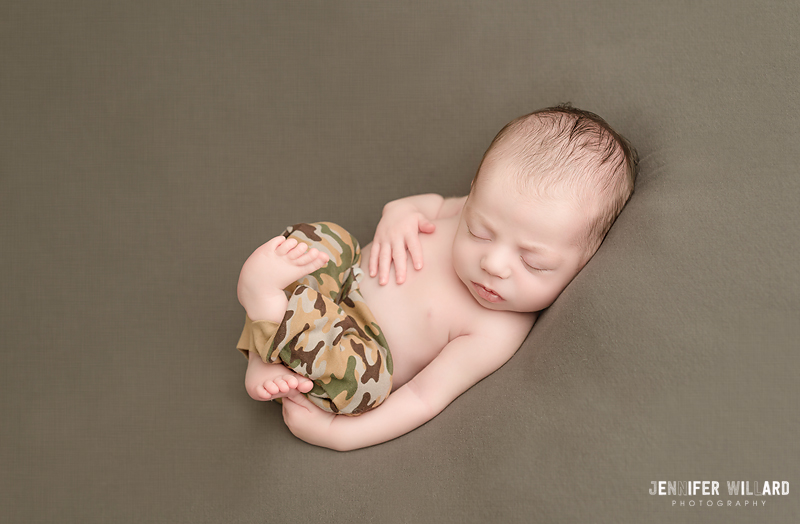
[456,251]
[549,295]
[459,256]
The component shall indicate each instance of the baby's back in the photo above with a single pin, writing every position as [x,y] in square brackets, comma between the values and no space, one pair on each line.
[432,307]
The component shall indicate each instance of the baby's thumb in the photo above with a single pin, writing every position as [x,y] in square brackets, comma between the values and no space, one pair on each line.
[289,406]
[426,226]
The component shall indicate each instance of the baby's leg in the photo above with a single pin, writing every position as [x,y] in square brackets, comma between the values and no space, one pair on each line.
[271,268]
[324,332]
[328,334]
[265,381]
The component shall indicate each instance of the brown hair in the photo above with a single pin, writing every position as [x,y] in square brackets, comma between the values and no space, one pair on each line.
[565,148]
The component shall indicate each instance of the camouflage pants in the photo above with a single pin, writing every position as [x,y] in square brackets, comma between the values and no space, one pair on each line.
[328,333]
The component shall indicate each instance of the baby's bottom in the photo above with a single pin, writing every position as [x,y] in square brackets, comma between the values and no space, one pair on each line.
[328,333]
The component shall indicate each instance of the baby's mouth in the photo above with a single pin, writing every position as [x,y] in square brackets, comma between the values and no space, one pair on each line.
[486,293]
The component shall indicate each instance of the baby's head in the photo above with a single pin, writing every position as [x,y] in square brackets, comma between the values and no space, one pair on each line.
[546,193]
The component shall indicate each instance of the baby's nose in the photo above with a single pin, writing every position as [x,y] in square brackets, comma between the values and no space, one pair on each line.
[494,264]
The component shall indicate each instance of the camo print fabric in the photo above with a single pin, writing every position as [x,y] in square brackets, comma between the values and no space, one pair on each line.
[328,333]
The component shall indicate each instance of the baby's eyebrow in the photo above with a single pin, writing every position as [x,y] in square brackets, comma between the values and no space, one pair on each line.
[550,257]
[474,217]
[535,248]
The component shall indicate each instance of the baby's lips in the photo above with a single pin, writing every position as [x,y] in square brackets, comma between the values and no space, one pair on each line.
[487,294]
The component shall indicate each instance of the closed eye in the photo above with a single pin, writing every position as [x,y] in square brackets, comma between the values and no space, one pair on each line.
[532,268]
[474,235]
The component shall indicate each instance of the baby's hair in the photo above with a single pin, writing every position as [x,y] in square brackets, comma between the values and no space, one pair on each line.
[563,148]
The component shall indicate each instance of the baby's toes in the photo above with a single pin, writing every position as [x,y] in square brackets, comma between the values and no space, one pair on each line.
[274,243]
[282,384]
[260,393]
[304,385]
[290,380]
[286,246]
[272,388]
[312,259]
[322,259]
[297,251]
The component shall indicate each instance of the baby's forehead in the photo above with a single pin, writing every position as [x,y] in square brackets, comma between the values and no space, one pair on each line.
[499,195]
[502,193]
[508,184]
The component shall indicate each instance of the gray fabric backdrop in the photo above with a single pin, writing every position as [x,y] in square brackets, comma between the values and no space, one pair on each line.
[147,148]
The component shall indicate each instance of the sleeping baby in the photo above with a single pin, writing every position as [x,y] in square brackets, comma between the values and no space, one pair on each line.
[360,349]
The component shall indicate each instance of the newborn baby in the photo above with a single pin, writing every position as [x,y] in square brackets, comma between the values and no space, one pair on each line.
[330,333]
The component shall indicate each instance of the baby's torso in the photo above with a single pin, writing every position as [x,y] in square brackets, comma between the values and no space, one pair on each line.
[432,307]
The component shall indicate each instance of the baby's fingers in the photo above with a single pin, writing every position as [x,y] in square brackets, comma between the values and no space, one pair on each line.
[415,249]
[399,256]
[293,407]
[373,259]
[384,264]
[426,226]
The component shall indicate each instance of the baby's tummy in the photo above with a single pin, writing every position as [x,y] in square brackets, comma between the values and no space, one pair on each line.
[407,319]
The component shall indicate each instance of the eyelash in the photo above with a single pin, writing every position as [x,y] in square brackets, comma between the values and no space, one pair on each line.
[531,267]
[474,235]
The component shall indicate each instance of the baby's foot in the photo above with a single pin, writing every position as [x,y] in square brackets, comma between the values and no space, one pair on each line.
[271,381]
[270,268]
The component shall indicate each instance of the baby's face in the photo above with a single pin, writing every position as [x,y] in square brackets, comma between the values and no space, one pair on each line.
[515,253]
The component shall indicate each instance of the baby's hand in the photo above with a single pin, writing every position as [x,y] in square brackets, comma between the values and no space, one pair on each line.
[398,230]
[306,421]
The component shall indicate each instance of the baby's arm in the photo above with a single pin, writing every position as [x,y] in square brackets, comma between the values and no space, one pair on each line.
[399,229]
[462,363]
